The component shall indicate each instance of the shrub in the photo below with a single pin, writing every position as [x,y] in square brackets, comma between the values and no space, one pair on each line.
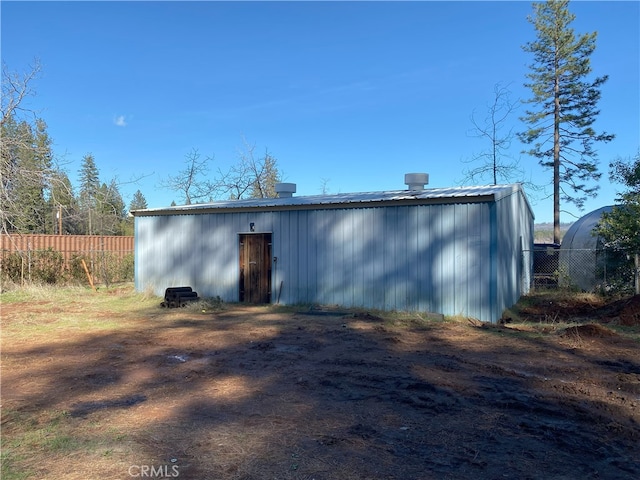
[12,267]
[40,266]
[47,266]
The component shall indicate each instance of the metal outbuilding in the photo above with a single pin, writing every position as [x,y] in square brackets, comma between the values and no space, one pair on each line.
[455,251]
[582,256]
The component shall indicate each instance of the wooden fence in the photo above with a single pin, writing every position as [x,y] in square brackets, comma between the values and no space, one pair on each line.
[96,249]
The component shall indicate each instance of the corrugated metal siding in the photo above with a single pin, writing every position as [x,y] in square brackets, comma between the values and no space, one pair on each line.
[514,234]
[66,244]
[426,258]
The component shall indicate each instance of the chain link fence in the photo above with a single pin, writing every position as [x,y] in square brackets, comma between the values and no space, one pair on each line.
[588,270]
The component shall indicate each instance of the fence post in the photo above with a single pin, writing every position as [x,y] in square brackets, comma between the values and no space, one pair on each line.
[84,264]
[29,260]
[105,275]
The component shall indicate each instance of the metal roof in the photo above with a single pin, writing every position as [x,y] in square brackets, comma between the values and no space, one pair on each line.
[580,235]
[486,193]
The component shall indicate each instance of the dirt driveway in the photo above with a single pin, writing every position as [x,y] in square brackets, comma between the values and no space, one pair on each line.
[266,393]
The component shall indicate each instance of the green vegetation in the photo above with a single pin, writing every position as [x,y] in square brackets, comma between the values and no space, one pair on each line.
[49,267]
[621,227]
[563,105]
[553,311]
[55,436]
[36,195]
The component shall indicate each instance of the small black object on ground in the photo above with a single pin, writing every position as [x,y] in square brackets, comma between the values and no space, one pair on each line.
[179,297]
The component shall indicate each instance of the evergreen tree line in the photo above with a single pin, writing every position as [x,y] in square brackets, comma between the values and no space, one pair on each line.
[37,196]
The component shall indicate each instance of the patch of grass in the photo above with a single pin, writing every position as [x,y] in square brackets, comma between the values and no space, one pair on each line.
[206,305]
[61,443]
[552,306]
[9,469]
[30,431]
[51,310]
[112,297]
[632,333]
[26,437]
[414,320]
[547,312]
[29,438]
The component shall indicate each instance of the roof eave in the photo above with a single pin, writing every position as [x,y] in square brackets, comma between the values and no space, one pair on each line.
[204,209]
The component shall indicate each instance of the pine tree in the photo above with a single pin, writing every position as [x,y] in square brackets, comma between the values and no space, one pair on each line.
[63,204]
[26,172]
[138,202]
[43,163]
[89,187]
[109,213]
[561,132]
[266,175]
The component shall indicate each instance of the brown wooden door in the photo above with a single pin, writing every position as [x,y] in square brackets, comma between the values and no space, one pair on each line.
[255,267]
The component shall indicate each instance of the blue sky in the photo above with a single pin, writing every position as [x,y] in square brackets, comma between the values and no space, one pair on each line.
[352,93]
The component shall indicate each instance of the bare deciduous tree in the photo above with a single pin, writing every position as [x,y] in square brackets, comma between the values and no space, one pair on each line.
[324,185]
[255,177]
[497,164]
[249,177]
[15,88]
[26,169]
[191,181]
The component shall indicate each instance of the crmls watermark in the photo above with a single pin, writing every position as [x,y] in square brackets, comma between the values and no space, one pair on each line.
[154,471]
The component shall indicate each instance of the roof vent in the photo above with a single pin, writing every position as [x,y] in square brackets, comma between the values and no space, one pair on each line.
[285,190]
[416,181]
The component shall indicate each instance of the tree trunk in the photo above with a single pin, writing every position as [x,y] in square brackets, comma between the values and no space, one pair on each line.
[556,162]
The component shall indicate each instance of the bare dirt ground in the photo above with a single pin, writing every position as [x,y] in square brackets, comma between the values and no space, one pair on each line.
[268,393]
